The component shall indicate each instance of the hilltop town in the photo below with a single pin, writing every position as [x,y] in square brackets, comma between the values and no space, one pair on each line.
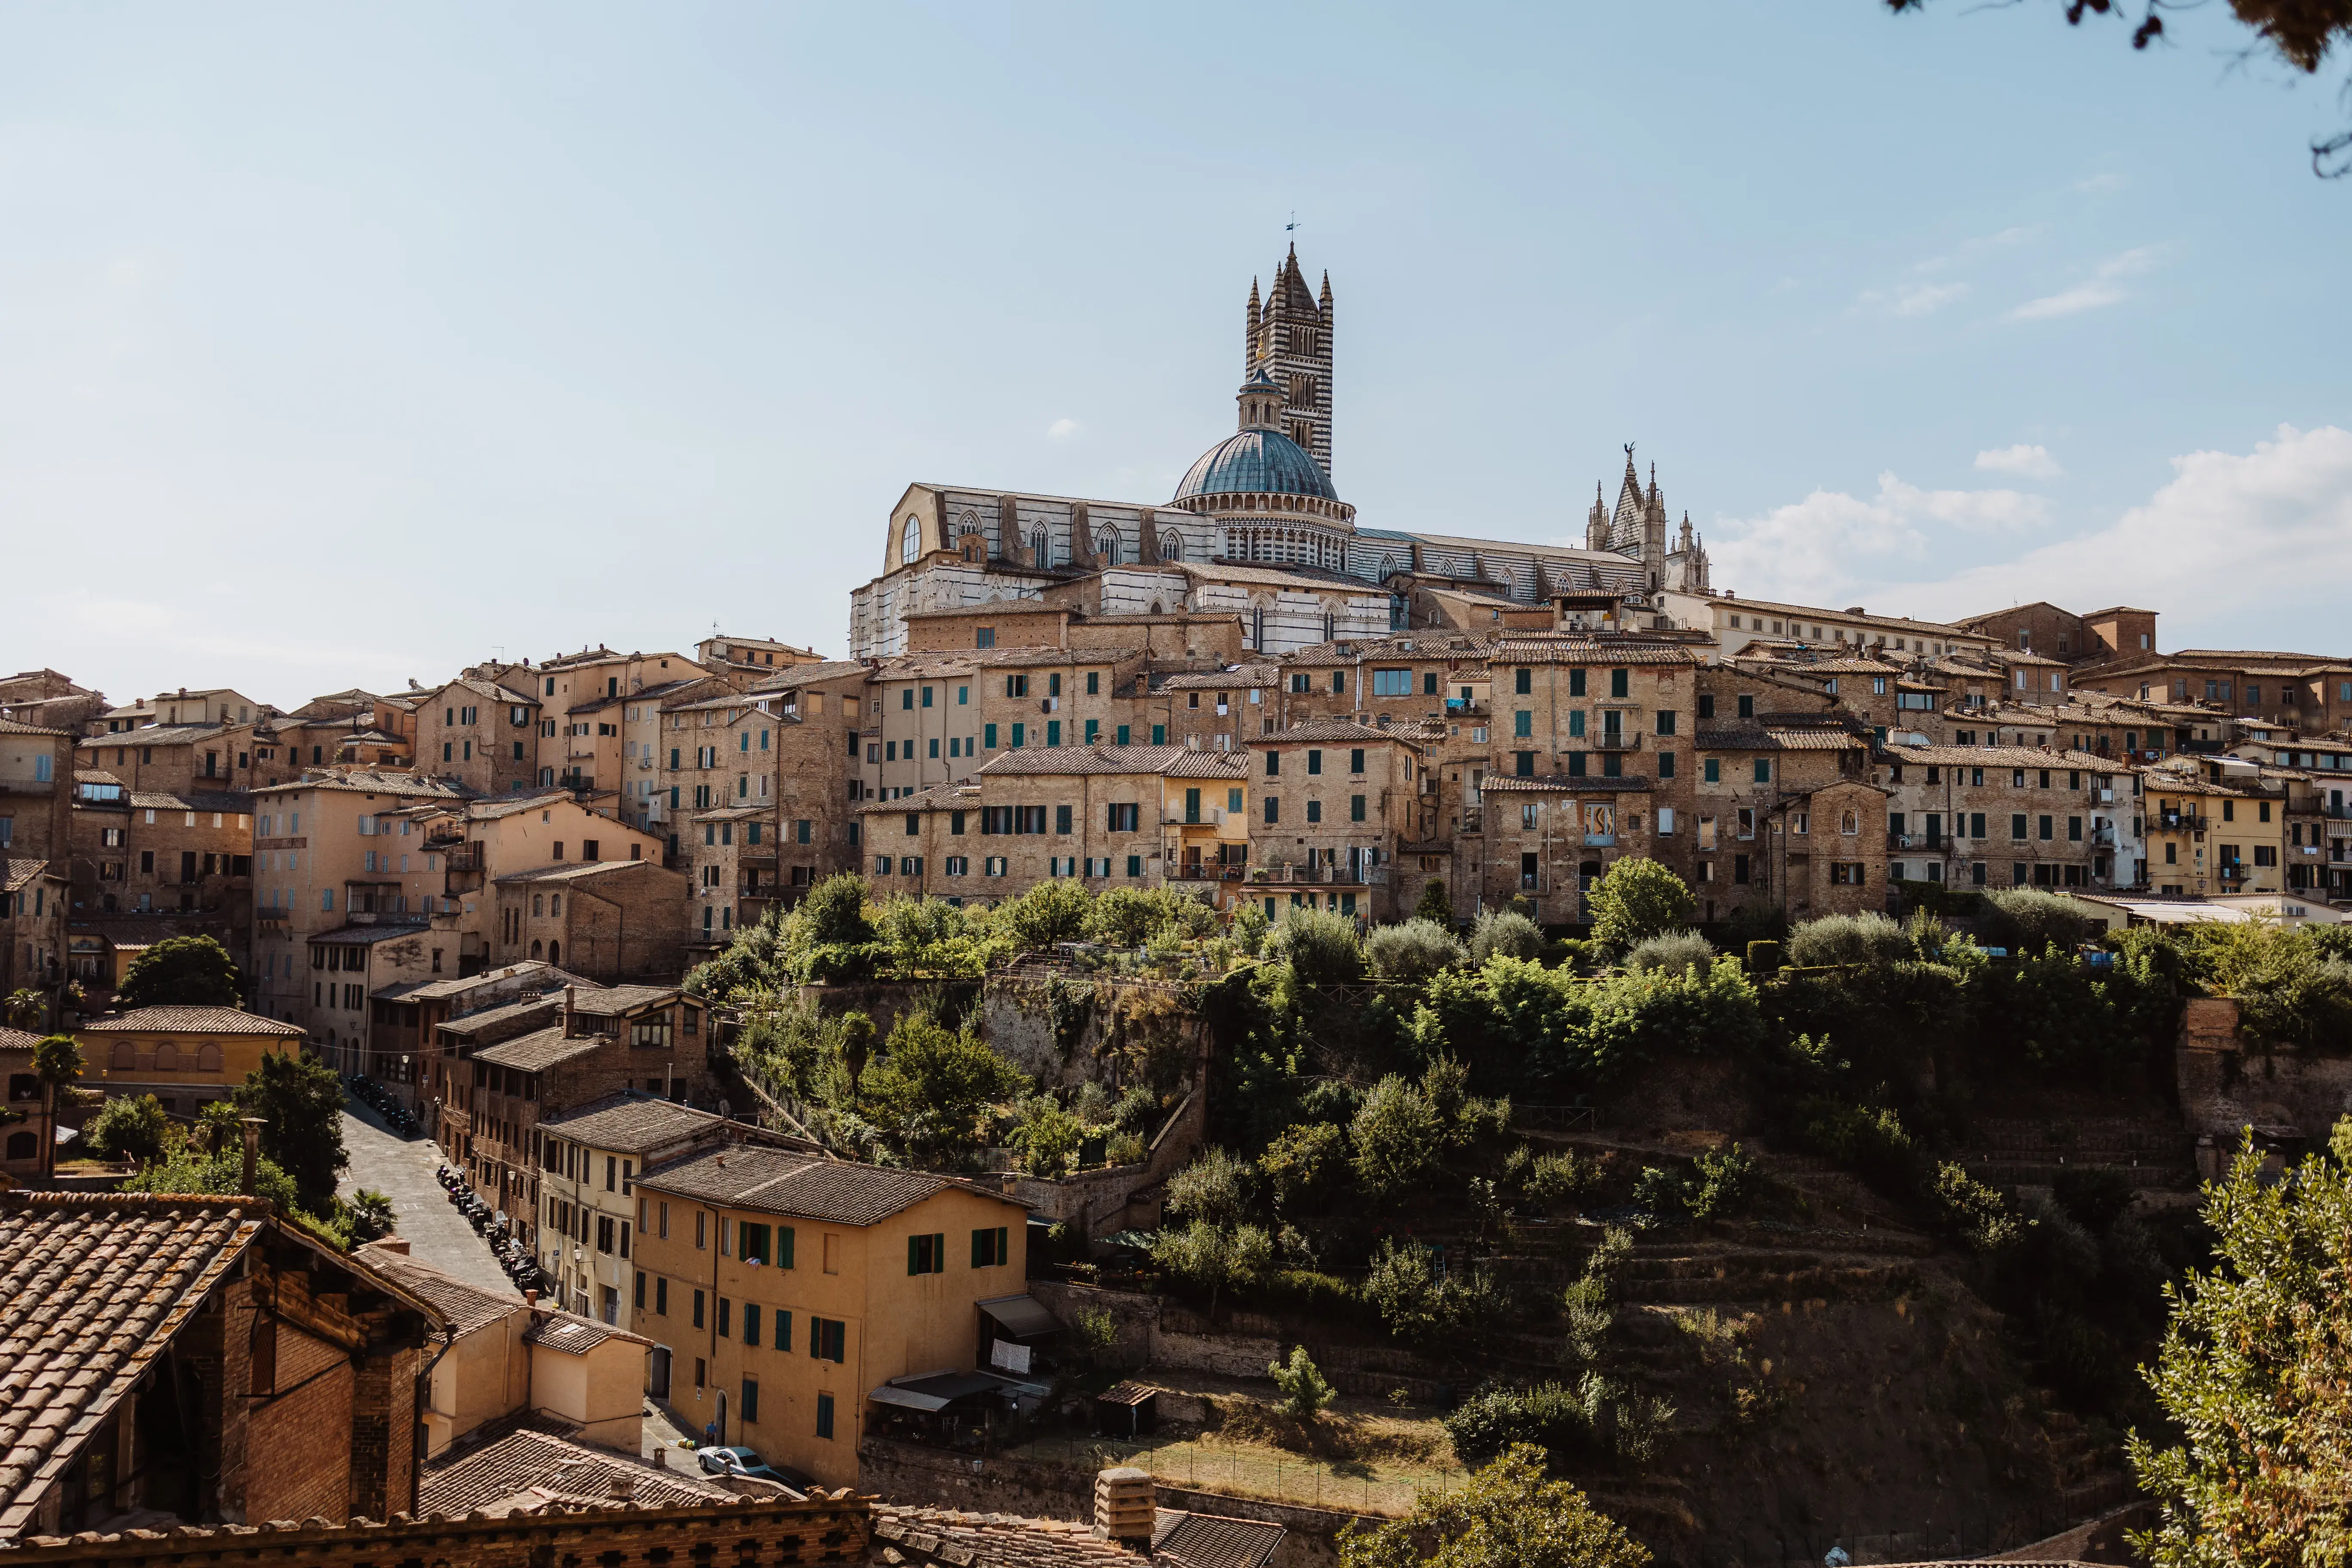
[1211,1019]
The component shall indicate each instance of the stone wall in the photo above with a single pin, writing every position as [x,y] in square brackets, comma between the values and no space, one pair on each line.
[905,1473]
[2224,1088]
[1154,1332]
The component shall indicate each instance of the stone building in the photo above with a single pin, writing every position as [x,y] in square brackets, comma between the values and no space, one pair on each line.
[23,1140]
[480,734]
[2006,816]
[1334,800]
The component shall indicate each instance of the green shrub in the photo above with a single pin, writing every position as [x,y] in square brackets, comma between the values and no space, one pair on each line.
[1664,1195]
[1869,1141]
[1434,905]
[131,1128]
[1215,1188]
[1415,950]
[1402,1288]
[1557,1181]
[1318,944]
[1048,1137]
[1505,933]
[1866,938]
[1304,1164]
[1763,958]
[1396,1133]
[1674,952]
[2028,919]
[1304,1390]
[1636,899]
[1968,1209]
[1723,1183]
[1049,912]
[1592,1421]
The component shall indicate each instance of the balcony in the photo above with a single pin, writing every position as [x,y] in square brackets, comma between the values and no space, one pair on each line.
[1600,841]
[1467,707]
[1616,740]
[2184,822]
[1193,871]
[1208,816]
[2105,837]
[756,855]
[1310,874]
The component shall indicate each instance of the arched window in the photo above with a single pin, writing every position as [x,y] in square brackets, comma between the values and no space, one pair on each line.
[208,1058]
[123,1057]
[1106,549]
[910,544]
[539,903]
[167,1057]
[22,1146]
[1040,549]
[1172,546]
[534,949]
[554,952]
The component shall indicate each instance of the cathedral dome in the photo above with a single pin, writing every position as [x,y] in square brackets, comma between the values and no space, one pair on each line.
[1258,462]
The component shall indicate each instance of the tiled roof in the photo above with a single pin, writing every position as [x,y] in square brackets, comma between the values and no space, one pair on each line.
[2181,783]
[10,727]
[226,800]
[937,797]
[994,1540]
[466,1306]
[736,813]
[1347,732]
[362,936]
[490,689]
[541,1049]
[17,872]
[92,1290]
[523,1471]
[774,1182]
[488,810]
[576,1335]
[1561,783]
[2004,757]
[569,871]
[16,1039]
[1206,1540]
[1509,651]
[1776,738]
[192,1021]
[809,675]
[474,1023]
[95,776]
[609,1001]
[372,781]
[1306,578]
[1070,760]
[549,977]
[631,1123]
[1241,678]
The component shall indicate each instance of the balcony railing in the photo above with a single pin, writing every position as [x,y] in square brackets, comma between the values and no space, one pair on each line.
[1616,740]
[1189,872]
[2183,822]
[1306,874]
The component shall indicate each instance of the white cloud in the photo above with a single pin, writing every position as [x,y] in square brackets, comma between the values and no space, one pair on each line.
[1062,429]
[1913,299]
[2232,548]
[2103,288]
[2030,462]
[2098,183]
[1821,550]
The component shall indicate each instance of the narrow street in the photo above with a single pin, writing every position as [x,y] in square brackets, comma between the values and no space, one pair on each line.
[403,1172]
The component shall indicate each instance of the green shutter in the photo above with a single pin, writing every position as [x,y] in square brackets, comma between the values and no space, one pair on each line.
[938,1252]
[977,1260]
[914,1255]
[784,1252]
[1003,1253]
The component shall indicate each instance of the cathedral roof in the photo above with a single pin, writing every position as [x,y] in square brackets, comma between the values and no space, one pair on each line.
[1263,462]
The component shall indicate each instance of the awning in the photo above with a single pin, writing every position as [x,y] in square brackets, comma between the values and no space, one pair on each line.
[1020,1317]
[907,1398]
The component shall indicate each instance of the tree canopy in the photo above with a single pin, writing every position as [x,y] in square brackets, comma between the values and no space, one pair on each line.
[181,972]
[300,1103]
[1508,1516]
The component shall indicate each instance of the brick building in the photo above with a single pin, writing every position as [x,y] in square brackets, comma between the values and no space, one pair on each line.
[2008,816]
[1334,800]
[599,1042]
[195,1359]
[481,734]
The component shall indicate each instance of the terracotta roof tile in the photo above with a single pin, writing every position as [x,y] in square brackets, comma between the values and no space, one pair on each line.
[632,1123]
[541,1049]
[92,1290]
[1155,760]
[468,1307]
[523,1471]
[994,1540]
[192,1021]
[773,1181]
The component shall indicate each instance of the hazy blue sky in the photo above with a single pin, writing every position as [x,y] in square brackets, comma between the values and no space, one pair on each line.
[346,344]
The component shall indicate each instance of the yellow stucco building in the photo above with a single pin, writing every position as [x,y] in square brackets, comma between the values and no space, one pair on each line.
[181,1056]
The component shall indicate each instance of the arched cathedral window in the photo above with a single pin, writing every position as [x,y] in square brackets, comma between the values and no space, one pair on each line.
[1040,549]
[1106,549]
[910,544]
[1172,546]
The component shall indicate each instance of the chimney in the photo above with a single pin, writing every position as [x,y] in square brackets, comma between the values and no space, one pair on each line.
[568,993]
[1123,1504]
[252,1125]
[530,1298]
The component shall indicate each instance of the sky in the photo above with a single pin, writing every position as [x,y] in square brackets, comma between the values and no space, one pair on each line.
[352,346]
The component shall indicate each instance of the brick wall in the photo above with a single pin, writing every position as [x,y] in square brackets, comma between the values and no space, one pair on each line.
[822,1529]
[298,1441]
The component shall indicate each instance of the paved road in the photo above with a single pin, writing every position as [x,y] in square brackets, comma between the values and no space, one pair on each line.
[403,1172]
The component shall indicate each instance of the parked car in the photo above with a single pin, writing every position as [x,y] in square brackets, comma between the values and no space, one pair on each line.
[746,1462]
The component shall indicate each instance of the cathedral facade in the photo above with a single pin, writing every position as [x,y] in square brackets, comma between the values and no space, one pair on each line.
[1255,528]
